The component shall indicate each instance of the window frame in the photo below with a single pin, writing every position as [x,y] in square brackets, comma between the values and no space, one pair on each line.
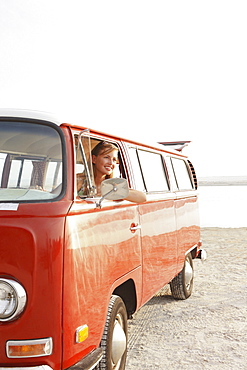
[138,150]
[5,173]
[186,166]
[94,138]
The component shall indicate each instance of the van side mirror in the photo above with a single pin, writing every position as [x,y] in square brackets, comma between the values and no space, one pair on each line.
[113,189]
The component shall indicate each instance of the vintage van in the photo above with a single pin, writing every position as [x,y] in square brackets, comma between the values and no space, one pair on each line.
[75,267]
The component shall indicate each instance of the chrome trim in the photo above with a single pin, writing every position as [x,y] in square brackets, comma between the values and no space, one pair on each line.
[21,298]
[78,331]
[135,228]
[46,341]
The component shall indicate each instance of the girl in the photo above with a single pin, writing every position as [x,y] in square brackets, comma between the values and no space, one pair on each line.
[104,159]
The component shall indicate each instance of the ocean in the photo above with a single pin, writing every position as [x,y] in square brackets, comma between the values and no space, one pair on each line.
[223,206]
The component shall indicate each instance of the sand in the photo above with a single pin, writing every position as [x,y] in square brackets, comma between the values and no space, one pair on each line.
[209,329]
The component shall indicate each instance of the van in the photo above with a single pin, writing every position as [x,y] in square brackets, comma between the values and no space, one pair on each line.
[74,267]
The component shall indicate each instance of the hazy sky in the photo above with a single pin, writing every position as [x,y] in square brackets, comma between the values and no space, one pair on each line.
[145,70]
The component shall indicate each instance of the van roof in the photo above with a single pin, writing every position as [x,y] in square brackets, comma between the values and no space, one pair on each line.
[32,114]
[155,146]
[46,116]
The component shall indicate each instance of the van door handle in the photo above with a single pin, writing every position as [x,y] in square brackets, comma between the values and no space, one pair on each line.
[135,227]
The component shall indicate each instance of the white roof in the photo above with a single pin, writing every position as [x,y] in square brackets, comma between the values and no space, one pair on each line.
[22,113]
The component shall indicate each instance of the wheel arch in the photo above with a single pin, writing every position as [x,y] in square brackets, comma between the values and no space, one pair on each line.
[127,291]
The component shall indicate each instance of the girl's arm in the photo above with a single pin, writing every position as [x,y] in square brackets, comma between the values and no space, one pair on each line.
[136,196]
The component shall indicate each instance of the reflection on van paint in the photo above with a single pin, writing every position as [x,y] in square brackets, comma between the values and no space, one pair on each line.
[159,219]
[90,231]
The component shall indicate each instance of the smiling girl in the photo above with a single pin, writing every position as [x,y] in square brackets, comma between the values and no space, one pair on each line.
[105,159]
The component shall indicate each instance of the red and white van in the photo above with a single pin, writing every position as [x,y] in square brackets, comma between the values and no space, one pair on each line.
[74,269]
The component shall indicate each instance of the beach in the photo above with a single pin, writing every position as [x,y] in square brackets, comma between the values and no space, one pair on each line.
[209,329]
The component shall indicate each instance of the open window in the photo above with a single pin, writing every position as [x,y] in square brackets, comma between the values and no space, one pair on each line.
[83,167]
[84,145]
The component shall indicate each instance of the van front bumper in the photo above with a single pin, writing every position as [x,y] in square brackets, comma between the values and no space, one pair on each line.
[89,362]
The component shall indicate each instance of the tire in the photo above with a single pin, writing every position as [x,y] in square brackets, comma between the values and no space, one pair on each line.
[115,336]
[182,285]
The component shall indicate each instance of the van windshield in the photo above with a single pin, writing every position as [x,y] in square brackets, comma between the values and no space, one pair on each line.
[30,162]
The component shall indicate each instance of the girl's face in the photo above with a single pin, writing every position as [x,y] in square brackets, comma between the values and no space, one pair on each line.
[105,162]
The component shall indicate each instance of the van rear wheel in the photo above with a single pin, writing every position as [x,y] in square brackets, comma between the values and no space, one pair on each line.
[114,339]
[182,285]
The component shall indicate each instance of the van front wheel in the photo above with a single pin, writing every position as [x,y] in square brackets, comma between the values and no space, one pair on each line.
[182,285]
[114,340]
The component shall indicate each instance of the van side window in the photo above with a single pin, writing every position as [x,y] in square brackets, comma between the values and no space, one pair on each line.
[182,174]
[172,179]
[83,165]
[139,183]
[153,171]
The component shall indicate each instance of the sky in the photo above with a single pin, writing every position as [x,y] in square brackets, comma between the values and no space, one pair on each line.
[144,70]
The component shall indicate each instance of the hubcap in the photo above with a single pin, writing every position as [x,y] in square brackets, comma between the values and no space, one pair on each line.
[188,274]
[119,342]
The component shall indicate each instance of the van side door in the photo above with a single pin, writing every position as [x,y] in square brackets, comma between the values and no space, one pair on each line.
[158,222]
